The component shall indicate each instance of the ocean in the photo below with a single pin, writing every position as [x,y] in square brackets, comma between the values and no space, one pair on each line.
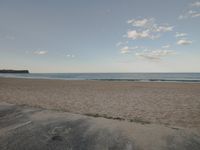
[139,77]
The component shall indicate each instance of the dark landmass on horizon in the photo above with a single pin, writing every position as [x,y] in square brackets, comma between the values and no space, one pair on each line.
[13,71]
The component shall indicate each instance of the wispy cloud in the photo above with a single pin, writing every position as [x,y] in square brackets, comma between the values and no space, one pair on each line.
[182,39]
[196,4]
[190,14]
[141,22]
[193,13]
[155,54]
[150,24]
[164,28]
[140,35]
[146,28]
[118,44]
[180,17]
[127,49]
[121,43]
[184,42]
[178,34]
[70,55]
[39,52]
[166,46]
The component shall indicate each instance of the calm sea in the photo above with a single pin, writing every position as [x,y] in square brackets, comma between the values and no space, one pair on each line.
[148,77]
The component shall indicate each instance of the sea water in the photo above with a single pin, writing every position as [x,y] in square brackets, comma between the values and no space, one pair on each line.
[142,77]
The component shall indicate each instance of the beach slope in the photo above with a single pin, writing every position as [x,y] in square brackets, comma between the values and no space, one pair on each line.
[29,128]
[173,104]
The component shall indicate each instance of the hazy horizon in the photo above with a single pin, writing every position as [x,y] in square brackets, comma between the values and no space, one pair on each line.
[71,36]
[95,72]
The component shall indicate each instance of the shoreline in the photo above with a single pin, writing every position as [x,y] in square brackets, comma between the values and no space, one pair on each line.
[113,80]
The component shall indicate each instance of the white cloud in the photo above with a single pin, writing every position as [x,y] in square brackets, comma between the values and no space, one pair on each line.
[184,42]
[189,14]
[150,24]
[146,34]
[138,35]
[166,46]
[127,49]
[196,4]
[155,54]
[181,17]
[40,52]
[142,22]
[70,55]
[180,34]
[146,28]
[164,28]
[130,21]
[195,15]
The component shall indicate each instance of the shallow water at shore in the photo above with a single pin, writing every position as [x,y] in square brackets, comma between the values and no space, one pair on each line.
[139,77]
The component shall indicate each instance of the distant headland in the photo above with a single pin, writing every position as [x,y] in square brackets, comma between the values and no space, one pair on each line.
[13,71]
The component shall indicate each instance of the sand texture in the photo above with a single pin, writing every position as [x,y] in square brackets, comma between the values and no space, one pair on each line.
[171,104]
[28,128]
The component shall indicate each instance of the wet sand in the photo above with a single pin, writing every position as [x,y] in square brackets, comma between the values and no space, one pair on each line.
[173,104]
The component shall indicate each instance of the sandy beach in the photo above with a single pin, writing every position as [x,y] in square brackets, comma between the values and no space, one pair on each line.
[38,114]
[173,104]
[29,128]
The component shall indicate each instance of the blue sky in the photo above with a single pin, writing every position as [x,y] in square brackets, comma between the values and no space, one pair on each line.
[100,35]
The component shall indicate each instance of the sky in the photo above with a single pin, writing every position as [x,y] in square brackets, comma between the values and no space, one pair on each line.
[100,35]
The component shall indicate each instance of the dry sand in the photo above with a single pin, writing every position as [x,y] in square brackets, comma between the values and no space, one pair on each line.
[154,116]
[28,128]
[173,104]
